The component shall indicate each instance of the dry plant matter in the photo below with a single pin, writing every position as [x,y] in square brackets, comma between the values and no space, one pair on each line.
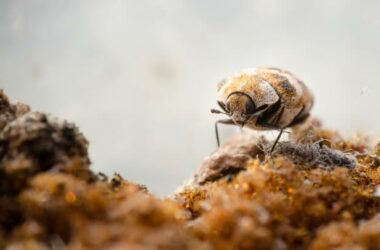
[316,191]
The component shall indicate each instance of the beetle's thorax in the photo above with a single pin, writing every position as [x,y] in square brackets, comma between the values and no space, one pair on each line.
[260,91]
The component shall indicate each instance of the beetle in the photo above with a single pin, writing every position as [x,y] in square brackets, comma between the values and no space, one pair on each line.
[263,98]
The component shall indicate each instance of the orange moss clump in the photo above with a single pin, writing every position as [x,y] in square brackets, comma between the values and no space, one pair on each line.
[66,211]
[276,205]
[280,203]
[316,191]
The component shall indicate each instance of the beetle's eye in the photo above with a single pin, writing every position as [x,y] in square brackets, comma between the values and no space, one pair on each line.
[249,107]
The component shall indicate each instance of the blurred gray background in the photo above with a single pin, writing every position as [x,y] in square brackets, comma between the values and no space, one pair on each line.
[139,77]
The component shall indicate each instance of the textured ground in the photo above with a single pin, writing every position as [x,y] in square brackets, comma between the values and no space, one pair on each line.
[317,191]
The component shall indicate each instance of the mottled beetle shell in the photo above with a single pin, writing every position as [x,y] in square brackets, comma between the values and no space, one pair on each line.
[284,99]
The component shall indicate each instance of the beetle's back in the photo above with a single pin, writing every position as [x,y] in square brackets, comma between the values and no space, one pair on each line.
[251,84]
[295,96]
[274,87]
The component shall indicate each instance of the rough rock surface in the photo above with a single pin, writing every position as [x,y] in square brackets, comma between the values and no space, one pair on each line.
[316,191]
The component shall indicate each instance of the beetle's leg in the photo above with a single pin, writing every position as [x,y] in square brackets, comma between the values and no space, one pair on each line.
[223,121]
[276,141]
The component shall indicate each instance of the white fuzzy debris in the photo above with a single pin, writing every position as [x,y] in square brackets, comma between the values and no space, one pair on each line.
[315,155]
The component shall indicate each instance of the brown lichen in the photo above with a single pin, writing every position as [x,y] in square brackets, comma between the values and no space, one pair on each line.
[36,142]
[9,111]
[229,159]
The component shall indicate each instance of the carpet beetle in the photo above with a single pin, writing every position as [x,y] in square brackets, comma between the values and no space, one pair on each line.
[263,99]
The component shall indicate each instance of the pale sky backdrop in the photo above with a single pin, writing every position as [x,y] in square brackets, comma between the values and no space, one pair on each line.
[139,77]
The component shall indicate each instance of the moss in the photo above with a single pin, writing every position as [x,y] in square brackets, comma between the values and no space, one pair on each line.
[286,203]
[316,191]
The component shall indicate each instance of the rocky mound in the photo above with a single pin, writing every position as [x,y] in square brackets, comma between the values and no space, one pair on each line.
[316,191]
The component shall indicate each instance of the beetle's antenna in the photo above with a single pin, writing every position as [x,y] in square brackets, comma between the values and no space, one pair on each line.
[216,111]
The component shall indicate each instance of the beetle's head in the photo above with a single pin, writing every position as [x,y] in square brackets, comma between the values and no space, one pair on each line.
[240,106]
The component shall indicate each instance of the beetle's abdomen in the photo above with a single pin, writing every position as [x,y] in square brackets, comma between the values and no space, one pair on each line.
[296,99]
